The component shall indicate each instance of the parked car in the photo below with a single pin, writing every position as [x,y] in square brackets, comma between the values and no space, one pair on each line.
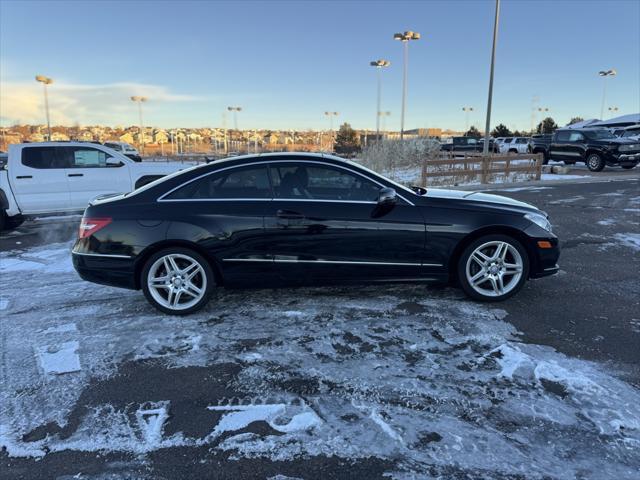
[126,149]
[597,147]
[53,177]
[516,145]
[503,147]
[283,219]
[539,143]
[467,144]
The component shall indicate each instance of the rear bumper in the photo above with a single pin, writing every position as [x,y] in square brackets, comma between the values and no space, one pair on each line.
[112,270]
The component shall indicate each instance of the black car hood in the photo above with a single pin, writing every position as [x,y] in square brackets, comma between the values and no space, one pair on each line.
[478,197]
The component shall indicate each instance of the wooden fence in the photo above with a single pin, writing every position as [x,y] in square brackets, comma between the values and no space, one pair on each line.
[476,165]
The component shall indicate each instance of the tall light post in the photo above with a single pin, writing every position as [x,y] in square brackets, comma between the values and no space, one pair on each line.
[331,115]
[46,81]
[543,111]
[604,74]
[405,38]
[384,115]
[466,110]
[140,100]
[485,149]
[235,111]
[379,64]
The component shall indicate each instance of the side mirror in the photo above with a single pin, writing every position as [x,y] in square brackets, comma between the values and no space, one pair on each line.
[114,162]
[387,196]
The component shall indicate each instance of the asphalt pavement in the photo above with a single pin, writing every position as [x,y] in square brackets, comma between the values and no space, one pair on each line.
[359,382]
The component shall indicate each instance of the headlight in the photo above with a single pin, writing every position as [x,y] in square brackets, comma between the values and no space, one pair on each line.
[629,148]
[539,220]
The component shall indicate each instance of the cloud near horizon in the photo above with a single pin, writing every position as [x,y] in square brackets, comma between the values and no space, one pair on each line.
[83,104]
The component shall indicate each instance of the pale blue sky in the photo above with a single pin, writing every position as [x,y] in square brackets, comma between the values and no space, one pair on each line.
[286,62]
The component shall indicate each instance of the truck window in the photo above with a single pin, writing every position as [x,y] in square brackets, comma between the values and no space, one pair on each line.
[43,157]
[82,157]
[576,137]
[563,136]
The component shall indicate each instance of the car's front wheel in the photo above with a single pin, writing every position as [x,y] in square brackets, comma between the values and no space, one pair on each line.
[177,281]
[493,268]
[595,162]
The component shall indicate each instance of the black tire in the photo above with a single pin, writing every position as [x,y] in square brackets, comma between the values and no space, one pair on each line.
[513,150]
[595,162]
[627,167]
[208,274]
[466,254]
[9,223]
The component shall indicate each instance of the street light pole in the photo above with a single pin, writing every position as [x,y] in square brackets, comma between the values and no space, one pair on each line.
[542,110]
[331,115]
[46,81]
[140,101]
[384,115]
[379,64]
[604,74]
[466,110]
[405,38]
[485,149]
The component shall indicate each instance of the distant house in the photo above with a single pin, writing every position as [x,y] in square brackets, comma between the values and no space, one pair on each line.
[160,136]
[85,136]
[59,137]
[127,137]
[36,137]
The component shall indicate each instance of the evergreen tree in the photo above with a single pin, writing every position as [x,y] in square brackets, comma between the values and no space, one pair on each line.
[501,131]
[346,140]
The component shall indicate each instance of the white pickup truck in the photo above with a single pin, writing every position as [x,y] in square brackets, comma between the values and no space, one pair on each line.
[63,177]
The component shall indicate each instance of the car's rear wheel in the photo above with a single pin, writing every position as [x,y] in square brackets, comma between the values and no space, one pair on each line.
[177,281]
[595,163]
[493,268]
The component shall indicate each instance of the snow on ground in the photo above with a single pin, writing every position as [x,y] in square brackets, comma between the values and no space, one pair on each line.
[631,240]
[422,378]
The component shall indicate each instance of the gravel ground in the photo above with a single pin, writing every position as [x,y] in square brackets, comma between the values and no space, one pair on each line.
[353,382]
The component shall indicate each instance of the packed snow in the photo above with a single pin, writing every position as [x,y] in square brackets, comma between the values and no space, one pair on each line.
[422,378]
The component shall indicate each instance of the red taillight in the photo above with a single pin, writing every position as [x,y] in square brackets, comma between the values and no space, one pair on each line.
[89,226]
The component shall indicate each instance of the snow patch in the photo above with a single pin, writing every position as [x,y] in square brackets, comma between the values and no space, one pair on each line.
[631,240]
[54,359]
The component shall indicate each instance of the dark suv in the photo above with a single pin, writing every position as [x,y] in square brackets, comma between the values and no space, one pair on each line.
[597,147]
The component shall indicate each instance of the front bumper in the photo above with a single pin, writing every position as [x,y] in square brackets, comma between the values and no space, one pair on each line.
[542,261]
[624,159]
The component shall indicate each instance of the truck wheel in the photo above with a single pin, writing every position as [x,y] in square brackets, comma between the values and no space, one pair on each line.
[9,223]
[3,221]
[595,163]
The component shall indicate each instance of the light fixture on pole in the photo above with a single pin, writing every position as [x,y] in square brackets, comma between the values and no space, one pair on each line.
[485,148]
[235,111]
[379,64]
[466,110]
[405,38]
[613,109]
[140,100]
[543,111]
[46,81]
[604,74]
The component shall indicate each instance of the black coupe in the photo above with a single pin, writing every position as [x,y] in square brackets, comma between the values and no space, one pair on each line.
[292,219]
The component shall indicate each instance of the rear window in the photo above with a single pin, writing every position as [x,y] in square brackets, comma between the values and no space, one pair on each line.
[235,183]
[43,157]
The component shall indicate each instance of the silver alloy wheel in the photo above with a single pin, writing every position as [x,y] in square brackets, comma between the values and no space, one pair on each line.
[177,281]
[494,268]
[594,161]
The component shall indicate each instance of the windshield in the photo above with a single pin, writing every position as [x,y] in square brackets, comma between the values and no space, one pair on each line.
[600,134]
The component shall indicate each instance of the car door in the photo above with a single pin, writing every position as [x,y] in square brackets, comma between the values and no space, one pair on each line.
[324,224]
[89,174]
[576,150]
[560,147]
[39,180]
[223,212]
